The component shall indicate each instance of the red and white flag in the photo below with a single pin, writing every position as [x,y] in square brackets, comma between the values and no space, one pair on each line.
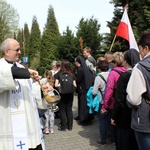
[125,31]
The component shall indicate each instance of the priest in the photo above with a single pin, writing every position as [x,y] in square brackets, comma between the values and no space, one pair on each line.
[19,121]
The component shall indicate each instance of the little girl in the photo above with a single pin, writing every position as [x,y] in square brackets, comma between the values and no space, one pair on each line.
[49,121]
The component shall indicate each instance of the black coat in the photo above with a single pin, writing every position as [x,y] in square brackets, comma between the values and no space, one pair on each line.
[80,80]
[121,112]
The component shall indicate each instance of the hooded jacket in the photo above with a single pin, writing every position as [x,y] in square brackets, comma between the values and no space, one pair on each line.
[138,90]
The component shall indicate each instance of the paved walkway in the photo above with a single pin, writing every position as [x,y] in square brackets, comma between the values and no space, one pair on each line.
[80,138]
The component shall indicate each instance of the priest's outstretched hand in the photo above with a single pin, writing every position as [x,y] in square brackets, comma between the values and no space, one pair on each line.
[34,75]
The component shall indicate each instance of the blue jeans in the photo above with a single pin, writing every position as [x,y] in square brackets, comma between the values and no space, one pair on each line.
[105,125]
[143,140]
[102,127]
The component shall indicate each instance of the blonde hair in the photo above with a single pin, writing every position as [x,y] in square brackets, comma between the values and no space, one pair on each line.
[46,73]
[118,58]
[50,78]
[100,58]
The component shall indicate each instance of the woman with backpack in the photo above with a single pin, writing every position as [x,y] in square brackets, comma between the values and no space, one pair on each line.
[99,86]
[110,88]
[66,79]
[121,114]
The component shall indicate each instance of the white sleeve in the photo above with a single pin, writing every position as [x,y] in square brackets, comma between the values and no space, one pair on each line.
[6,79]
[136,87]
[96,85]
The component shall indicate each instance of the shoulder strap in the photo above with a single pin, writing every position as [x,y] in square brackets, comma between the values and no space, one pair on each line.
[118,71]
[92,61]
[102,78]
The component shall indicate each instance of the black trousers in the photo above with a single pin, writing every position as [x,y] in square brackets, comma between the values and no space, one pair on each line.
[65,112]
[39,147]
[126,139]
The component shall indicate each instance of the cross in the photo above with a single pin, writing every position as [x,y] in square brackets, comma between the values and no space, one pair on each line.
[81,43]
[20,144]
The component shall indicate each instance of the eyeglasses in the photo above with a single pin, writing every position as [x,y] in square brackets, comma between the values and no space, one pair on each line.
[17,50]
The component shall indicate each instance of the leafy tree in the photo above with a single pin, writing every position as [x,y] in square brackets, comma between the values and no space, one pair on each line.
[9,20]
[49,43]
[89,30]
[35,41]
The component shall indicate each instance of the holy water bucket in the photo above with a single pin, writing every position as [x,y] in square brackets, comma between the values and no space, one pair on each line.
[54,101]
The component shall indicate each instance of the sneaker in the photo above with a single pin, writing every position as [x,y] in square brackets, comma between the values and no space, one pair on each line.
[101,143]
[51,130]
[46,131]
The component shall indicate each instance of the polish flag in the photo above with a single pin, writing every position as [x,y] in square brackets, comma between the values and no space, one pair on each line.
[125,31]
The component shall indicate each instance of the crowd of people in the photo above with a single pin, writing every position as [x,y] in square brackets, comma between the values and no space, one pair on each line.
[121,81]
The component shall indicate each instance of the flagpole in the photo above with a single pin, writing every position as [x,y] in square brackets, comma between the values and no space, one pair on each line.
[112,43]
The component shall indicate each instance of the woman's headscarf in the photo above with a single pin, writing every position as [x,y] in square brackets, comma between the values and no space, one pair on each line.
[132,57]
[87,73]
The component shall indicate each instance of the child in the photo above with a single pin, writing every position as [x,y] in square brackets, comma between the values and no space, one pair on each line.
[49,115]
[41,105]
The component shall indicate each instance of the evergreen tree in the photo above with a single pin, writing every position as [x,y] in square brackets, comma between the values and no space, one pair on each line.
[120,44]
[139,16]
[49,43]
[68,47]
[35,42]
[139,13]
[20,40]
[89,30]
[26,38]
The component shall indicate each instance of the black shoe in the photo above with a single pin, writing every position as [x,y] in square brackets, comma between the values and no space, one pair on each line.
[101,143]
[76,118]
[60,129]
[70,129]
[85,123]
[59,124]
[57,116]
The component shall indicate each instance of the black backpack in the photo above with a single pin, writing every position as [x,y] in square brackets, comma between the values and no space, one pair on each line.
[119,72]
[66,83]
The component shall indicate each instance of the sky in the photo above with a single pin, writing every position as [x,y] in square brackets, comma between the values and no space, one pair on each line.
[67,12]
